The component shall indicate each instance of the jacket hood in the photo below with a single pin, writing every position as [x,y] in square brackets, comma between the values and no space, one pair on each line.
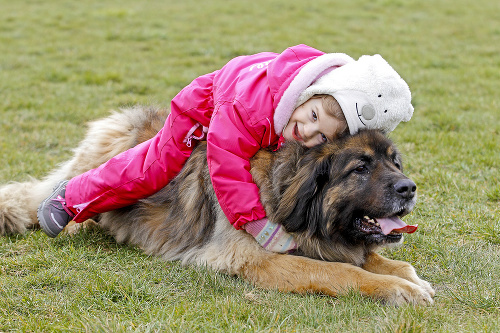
[291,72]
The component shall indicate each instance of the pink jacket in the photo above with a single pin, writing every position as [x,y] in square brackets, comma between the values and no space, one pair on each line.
[242,107]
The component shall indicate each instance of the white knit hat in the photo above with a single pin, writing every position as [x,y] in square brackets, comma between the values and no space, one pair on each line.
[370,92]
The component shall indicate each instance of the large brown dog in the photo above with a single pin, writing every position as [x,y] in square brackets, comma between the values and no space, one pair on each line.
[332,198]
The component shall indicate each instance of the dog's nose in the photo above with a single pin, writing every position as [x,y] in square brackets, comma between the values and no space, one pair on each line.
[406,188]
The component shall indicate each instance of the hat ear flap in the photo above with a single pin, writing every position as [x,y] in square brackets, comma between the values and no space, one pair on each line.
[301,206]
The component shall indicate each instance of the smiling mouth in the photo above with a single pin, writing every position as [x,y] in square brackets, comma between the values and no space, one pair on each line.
[295,133]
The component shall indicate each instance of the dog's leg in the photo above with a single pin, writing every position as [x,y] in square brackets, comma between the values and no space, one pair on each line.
[375,263]
[302,275]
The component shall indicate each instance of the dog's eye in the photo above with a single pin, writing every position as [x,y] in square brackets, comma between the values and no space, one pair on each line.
[397,164]
[361,169]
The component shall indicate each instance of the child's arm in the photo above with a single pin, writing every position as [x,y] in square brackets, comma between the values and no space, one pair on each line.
[230,145]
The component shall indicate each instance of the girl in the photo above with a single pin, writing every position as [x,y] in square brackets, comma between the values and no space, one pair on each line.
[253,102]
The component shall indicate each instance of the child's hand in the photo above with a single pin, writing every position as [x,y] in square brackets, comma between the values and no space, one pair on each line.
[271,236]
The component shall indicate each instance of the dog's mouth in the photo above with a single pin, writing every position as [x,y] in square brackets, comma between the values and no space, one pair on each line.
[387,226]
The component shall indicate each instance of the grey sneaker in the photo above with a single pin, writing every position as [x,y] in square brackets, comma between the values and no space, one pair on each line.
[53,215]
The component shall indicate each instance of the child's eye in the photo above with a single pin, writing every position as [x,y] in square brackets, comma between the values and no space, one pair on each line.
[324,138]
[315,117]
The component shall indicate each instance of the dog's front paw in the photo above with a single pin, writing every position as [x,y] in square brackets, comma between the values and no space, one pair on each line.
[410,275]
[424,285]
[402,292]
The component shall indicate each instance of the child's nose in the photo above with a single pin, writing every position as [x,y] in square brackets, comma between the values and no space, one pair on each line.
[310,130]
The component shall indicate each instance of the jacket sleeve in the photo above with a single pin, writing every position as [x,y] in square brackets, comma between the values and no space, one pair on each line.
[230,146]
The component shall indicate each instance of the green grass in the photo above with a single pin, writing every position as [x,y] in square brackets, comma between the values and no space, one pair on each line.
[63,63]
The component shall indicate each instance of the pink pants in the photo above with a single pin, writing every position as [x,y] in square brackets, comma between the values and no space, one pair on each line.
[134,174]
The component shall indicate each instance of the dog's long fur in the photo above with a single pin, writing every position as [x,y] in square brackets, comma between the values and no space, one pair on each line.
[318,195]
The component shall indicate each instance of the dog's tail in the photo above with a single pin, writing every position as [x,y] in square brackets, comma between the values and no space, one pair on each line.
[105,138]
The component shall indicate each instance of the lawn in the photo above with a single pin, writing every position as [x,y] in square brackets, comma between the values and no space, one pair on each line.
[64,63]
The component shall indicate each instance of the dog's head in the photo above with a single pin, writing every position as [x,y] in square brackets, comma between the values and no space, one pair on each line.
[346,197]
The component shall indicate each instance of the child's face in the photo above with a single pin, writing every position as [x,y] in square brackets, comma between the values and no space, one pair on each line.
[311,125]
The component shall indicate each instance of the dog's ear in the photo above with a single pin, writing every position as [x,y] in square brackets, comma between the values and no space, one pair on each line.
[301,206]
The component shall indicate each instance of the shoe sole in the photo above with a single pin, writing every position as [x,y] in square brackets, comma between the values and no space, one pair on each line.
[41,219]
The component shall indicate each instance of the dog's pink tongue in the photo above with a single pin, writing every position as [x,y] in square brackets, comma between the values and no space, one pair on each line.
[390,224]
